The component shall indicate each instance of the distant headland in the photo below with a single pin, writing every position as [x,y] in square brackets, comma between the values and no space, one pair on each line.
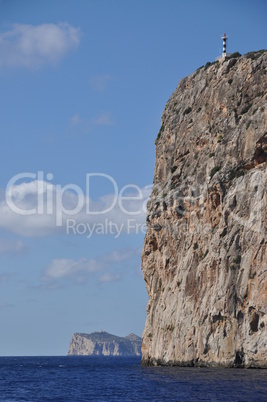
[102,343]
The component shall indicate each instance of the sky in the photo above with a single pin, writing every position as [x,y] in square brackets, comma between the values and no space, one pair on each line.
[83,86]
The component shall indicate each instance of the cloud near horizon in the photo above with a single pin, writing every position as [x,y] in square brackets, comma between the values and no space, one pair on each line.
[32,46]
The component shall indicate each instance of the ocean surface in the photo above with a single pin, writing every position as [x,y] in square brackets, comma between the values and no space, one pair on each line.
[86,378]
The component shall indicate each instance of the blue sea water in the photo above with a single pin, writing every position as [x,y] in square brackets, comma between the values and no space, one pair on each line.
[87,378]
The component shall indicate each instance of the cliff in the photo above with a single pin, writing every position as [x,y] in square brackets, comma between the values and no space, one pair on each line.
[104,344]
[204,257]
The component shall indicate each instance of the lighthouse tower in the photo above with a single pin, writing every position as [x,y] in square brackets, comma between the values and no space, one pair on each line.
[224,38]
[222,57]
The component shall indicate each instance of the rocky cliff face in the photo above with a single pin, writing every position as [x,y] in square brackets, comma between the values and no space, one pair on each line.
[204,258]
[104,344]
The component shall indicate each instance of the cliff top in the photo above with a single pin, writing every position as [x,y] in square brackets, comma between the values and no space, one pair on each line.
[103,336]
[201,79]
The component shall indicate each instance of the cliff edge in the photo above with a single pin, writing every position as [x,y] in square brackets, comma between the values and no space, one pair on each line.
[204,257]
[104,344]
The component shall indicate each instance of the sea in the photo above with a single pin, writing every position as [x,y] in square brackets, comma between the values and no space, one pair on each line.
[90,378]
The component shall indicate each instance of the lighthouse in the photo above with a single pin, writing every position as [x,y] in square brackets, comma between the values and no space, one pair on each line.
[224,39]
[223,56]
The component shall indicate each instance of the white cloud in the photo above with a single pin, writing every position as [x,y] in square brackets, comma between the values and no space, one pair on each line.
[104,119]
[107,277]
[31,46]
[75,120]
[25,197]
[11,247]
[99,82]
[87,125]
[64,270]
[42,208]
[117,256]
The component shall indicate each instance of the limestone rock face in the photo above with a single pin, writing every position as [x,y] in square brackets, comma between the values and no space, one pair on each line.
[104,344]
[204,258]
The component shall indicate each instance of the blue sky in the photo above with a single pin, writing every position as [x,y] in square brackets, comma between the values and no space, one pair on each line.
[83,86]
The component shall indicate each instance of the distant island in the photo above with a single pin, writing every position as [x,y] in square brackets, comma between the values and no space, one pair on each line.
[104,344]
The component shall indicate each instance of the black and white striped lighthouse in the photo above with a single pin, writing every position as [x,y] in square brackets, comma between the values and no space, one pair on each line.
[224,38]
